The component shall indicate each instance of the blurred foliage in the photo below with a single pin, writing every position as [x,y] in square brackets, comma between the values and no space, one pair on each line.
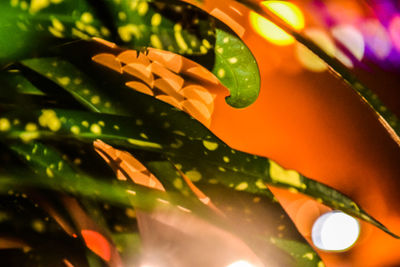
[60,201]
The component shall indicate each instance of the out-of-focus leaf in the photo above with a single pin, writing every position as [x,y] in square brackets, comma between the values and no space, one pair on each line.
[305,256]
[129,245]
[237,69]
[26,29]
[264,220]
[142,23]
[209,161]
[14,82]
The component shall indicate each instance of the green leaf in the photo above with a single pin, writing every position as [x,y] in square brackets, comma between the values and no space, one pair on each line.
[209,161]
[113,97]
[40,157]
[266,222]
[79,85]
[27,29]
[305,256]
[13,82]
[237,69]
[142,23]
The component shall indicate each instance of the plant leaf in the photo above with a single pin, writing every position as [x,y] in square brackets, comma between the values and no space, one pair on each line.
[142,23]
[304,255]
[213,162]
[29,29]
[237,69]
[265,220]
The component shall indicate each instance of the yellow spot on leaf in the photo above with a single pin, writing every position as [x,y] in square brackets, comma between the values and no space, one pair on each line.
[206,43]
[75,129]
[80,25]
[261,184]
[130,213]
[155,41]
[142,8]
[24,5]
[144,136]
[178,183]
[242,186]
[221,73]
[91,30]
[279,174]
[49,173]
[30,127]
[64,81]
[14,3]
[126,32]
[77,81]
[226,159]
[222,169]
[87,17]
[213,181]
[4,125]
[95,128]
[79,34]
[210,145]
[179,38]
[309,256]
[193,175]
[37,5]
[38,226]
[232,60]
[122,15]
[144,143]
[156,20]
[203,49]
[104,31]
[293,190]
[95,100]
[57,24]
[49,119]
[55,32]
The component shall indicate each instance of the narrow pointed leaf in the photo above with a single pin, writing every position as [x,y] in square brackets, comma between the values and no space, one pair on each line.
[214,162]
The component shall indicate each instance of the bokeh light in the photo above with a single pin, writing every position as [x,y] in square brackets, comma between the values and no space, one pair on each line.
[335,231]
[288,12]
[307,58]
[241,263]
[376,38]
[394,30]
[351,38]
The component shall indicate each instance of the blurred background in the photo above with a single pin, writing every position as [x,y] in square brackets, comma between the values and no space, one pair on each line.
[308,119]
